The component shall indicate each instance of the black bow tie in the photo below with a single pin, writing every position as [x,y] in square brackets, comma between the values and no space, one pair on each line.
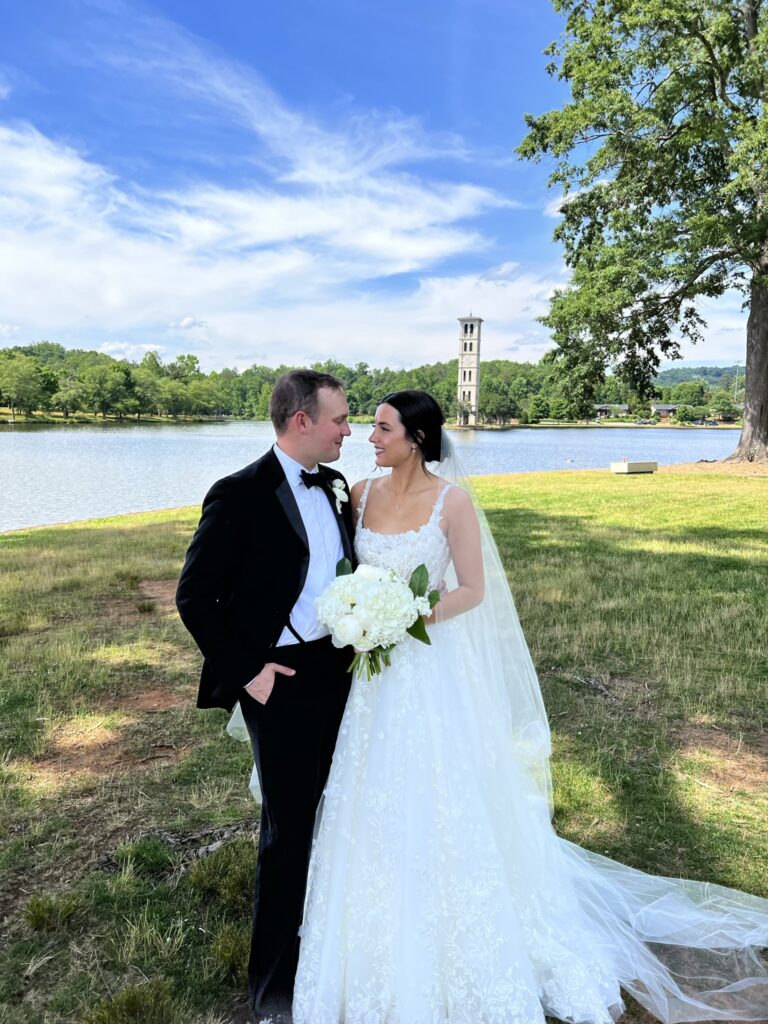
[312,479]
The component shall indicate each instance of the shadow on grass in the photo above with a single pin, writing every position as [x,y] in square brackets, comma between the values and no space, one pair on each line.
[634,604]
[591,595]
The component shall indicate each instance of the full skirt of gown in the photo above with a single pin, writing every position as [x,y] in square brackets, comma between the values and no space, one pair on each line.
[439,893]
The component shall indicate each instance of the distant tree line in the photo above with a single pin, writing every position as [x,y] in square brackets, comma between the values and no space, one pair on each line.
[46,377]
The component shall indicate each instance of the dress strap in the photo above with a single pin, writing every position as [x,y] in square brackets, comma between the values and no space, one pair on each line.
[438,509]
[363,500]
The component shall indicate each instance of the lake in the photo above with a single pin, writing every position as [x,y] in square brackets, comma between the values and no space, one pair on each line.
[63,473]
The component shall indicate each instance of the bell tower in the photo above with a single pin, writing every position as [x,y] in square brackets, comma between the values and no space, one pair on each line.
[468,387]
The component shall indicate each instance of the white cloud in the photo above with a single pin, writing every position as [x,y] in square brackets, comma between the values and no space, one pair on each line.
[125,350]
[187,323]
[554,208]
[9,330]
[418,327]
[306,151]
[82,251]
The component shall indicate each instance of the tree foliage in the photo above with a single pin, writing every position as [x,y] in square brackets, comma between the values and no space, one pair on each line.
[47,376]
[662,156]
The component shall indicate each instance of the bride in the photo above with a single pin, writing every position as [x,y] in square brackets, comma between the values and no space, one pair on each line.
[439,892]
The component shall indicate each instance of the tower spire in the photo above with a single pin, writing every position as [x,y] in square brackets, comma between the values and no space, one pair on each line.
[468,385]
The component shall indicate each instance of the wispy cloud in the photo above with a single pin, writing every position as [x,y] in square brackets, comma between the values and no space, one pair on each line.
[329,210]
[188,323]
[306,151]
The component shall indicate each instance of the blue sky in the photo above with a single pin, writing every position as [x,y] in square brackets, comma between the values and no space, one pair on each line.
[280,180]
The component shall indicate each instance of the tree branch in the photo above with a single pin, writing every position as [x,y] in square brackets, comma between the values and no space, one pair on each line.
[750,20]
[722,92]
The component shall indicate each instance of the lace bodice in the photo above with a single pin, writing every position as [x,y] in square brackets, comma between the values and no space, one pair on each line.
[404,551]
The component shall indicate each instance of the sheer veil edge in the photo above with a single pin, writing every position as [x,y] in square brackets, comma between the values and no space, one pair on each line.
[686,950]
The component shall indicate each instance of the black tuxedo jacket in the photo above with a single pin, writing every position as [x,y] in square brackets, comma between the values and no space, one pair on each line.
[243,573]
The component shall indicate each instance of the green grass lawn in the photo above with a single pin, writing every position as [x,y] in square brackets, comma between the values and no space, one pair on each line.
[645,601]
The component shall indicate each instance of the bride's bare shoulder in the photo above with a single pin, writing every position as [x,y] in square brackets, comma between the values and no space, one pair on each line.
[457,500]
[453,488]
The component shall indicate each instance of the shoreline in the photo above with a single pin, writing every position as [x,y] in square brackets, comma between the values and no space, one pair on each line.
[183,421]
[743,469]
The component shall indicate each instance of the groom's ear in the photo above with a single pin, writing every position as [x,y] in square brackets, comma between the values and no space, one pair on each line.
[420,435]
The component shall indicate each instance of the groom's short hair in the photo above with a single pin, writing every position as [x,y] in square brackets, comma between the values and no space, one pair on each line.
[296,391]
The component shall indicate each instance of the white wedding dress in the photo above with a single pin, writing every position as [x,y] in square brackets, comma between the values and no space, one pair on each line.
[439,892]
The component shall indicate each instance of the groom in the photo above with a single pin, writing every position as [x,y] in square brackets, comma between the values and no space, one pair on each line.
[267,545]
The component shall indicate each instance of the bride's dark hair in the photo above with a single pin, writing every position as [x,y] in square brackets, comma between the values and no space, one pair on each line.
[422,418]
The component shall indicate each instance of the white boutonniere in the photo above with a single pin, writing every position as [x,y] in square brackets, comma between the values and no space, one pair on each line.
[339,493]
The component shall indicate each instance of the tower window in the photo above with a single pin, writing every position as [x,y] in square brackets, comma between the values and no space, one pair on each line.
[471,328]
[465,346]
[470,346]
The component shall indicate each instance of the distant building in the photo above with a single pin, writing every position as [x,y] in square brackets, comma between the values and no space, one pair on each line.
[468,386]
[663,410]
[611,410]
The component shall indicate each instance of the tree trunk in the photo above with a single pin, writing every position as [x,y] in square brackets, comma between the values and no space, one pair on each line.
[753,443]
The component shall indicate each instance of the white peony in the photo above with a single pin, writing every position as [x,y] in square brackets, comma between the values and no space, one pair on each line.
[371,572]
[347,631]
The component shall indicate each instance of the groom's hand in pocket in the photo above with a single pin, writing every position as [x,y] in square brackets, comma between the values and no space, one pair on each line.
[261,686]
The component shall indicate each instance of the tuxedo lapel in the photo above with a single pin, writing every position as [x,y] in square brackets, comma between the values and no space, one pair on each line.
[284,494]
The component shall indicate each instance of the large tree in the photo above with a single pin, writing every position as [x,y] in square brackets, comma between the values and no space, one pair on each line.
[22,383]
[662,154]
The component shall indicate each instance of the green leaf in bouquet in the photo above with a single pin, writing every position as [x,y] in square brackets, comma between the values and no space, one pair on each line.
[419,581]
[419,631]
[344,567]
[434,598]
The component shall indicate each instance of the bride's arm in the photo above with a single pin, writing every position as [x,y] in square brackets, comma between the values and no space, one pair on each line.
[463,532]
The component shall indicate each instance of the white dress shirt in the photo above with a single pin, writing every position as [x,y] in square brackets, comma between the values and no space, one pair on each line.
[325,550]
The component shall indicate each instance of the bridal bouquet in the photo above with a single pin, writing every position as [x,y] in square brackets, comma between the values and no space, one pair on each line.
[372,609]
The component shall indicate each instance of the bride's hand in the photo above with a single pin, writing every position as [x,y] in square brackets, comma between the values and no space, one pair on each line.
[431,619]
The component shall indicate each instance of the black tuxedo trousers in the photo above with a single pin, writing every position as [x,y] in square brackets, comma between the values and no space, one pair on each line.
[293,736]
[243,573]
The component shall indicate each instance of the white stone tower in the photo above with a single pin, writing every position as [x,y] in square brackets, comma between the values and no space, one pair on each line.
[468,390]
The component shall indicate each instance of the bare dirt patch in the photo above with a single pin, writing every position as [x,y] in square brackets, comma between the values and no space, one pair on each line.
[96,750]
[736,763]
[727,468]
[162,592]
[158,699]
[157,597]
